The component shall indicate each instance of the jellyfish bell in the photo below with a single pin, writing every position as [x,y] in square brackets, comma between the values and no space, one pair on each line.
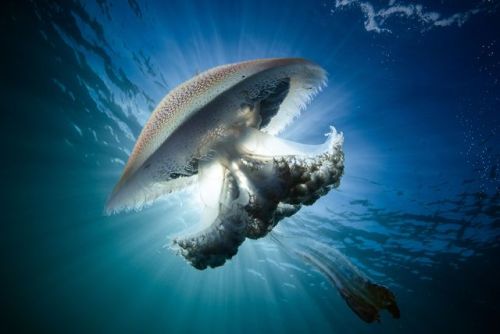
[218,130]
[206,110]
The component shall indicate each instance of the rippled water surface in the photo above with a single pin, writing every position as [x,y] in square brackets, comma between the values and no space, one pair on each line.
[415,90]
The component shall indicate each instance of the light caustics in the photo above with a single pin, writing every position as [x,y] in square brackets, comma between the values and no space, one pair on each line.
[218,130]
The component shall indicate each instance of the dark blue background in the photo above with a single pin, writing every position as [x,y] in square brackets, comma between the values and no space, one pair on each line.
[417,208]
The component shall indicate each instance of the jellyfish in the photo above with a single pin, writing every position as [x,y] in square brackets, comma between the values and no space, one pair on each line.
[219,131]
[363,296]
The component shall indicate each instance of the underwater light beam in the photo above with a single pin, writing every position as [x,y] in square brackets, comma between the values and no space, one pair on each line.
[218,129]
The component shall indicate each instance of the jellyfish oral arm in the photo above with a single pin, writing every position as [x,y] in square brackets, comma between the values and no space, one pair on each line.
[245,194]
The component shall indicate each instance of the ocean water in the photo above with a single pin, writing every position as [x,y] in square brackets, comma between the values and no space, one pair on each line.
[414,87]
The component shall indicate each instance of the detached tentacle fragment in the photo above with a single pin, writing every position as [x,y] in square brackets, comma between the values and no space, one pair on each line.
[362,295]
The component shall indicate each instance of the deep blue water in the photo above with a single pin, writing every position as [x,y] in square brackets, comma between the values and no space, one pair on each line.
[417,97]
